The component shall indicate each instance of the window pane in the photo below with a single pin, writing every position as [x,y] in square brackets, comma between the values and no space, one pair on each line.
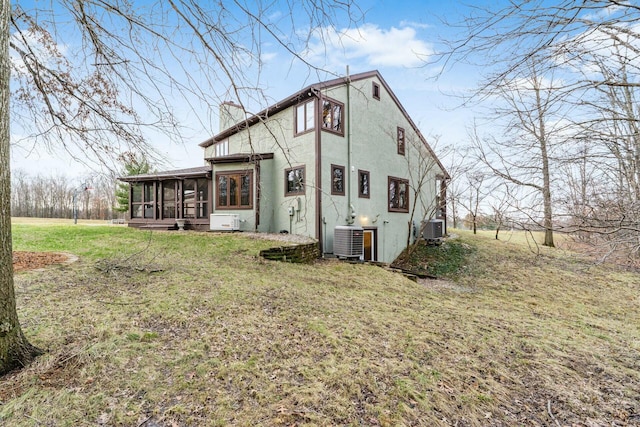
[148,192]
[222,191]
[300,118]
[169,199]
[136,211]
[203,187]
[310,114]
[202,210]
[326,114]
[168,210]
[148,210]
[136,193]
[337,180]
[188,198]
[364,184]
[245,191]
[337,118]
[393,201]
[295,180]
[402,195]
[233,191]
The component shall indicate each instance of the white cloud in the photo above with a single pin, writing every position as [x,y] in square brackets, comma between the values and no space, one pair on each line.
[393,47]
[267,56]
[413,24]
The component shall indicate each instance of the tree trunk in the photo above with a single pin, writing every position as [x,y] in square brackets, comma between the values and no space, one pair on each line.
[15,351]
[546,179]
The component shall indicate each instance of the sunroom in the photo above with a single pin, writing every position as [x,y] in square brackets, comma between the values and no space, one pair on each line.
[161,200]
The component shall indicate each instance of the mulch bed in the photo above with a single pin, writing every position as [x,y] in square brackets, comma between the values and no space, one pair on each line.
[24,260]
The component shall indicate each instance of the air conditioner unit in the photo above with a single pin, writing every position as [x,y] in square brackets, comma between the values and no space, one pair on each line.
[433,229]
[348,241]
[224,222]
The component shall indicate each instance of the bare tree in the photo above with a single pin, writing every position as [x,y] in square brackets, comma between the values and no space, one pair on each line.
[593,49]
[96,99]
[475,194]
[15,350]
[532,124]
[457,167]
[421,166]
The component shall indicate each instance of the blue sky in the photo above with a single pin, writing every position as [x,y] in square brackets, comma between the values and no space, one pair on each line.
[396,38]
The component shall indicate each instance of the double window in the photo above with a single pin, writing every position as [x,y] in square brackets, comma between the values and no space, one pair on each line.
[142,200]
[234,190]
[305,117]
[294,181]
[398,197]
[194,198]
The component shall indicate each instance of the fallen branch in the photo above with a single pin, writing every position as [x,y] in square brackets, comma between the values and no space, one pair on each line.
[123,303]
[551,413]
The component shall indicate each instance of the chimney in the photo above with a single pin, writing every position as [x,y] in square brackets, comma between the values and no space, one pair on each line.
[230,114]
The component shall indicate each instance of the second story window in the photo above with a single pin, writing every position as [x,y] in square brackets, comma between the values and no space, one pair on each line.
[222,148]
[376,91]
[305,117]
[401,141]
[332,116]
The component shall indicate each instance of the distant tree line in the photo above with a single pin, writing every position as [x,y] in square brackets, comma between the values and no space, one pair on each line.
[53,196]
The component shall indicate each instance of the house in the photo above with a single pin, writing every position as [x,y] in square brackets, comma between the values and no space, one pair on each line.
[343,152]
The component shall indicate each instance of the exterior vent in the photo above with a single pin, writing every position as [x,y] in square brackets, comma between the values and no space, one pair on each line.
[348,242]
[433,229]
[224,222]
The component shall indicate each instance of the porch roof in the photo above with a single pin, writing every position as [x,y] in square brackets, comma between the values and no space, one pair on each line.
[195,172]
[240,158]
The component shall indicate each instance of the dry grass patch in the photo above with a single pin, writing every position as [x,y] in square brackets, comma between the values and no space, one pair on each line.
[213,335]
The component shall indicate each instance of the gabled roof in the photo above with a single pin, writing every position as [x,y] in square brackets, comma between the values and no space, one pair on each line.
[199,171]
[314,90]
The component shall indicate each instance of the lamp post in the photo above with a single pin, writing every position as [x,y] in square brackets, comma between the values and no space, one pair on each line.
[83,187]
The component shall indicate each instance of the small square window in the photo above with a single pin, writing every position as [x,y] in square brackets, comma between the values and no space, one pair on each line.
[294,181]
[376,91]
[337,180]
[364,184]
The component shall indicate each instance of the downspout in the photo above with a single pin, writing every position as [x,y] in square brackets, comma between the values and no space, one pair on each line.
[318,150]
[350,209]
[258,195]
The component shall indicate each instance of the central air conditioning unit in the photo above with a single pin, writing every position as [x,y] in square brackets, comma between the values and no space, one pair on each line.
[348,241]
[224,222]
[433,229]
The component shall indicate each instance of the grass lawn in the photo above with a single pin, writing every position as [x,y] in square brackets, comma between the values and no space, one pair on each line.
[193,329]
